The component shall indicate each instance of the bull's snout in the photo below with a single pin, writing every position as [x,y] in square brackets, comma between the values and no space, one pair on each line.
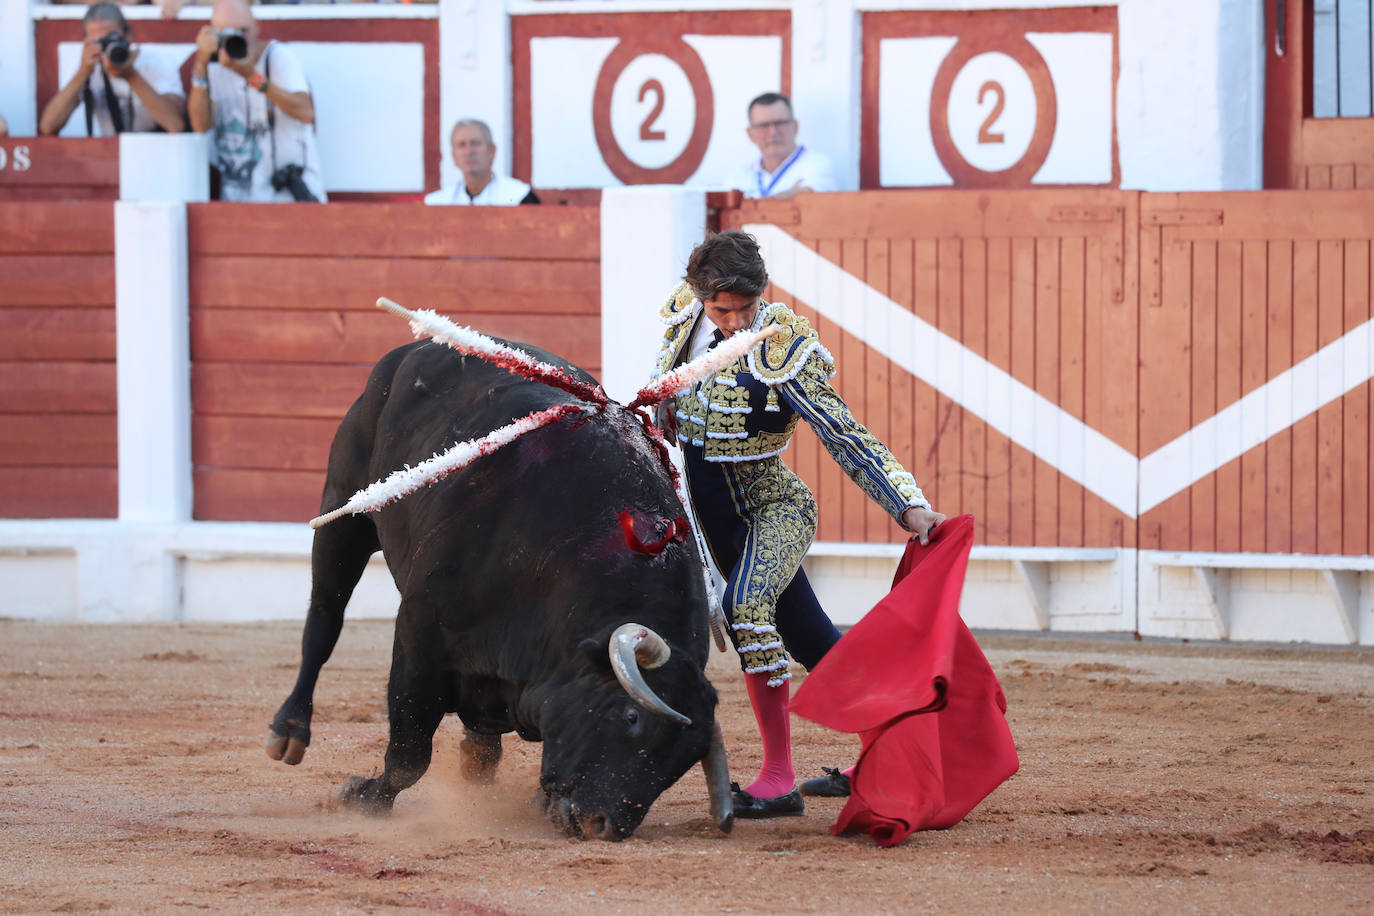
[586,825]
[598,827]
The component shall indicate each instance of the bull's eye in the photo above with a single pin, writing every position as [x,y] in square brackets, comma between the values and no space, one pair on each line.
[631,716]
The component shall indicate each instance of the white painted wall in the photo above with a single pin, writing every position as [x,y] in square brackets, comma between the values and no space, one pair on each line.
[1191,93]
[17,75]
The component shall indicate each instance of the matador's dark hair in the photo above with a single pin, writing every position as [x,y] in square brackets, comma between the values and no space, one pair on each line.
[727,262]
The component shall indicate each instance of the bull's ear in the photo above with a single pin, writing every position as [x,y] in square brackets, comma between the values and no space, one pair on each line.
[593,650]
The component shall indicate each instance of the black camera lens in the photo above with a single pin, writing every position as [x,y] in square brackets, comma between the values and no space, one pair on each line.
[234,43]
[116,48]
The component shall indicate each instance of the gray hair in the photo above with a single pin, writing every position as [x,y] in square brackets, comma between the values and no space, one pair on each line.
[472,122]
[106,12]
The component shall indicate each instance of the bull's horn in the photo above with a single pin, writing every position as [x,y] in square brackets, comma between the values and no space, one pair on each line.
[717,771]
[634,646]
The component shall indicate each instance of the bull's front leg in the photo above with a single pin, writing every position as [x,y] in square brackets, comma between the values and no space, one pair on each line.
[338,557]
[418,698]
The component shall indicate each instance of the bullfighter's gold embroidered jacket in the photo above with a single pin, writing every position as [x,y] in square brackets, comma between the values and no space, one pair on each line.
[749,410]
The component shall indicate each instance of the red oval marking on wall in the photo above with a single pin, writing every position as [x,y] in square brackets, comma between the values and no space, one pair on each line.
[686,164]
[964,173]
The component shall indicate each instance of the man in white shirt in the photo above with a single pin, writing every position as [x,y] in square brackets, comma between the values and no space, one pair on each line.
[122,88]
[254,97]
[783,168]
[473,153]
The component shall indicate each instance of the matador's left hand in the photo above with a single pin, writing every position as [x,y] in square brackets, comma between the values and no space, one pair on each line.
[921,522]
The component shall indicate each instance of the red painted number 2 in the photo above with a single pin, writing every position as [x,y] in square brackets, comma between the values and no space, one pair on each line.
[985,134]
[646,130]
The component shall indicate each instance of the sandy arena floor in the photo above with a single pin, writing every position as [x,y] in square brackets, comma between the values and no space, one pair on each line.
[1154,778]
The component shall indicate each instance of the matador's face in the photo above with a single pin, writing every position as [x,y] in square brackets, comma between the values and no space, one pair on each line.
[732,312]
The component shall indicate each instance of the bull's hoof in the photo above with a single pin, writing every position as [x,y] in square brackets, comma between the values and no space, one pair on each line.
[288,749]
[365,795]
[478,756]
[289,734]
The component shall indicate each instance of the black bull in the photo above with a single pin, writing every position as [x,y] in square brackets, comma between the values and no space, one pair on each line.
[517,584]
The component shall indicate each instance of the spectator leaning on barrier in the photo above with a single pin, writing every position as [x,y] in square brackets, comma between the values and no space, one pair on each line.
[255,97]
[473,153]
[783,167]
[122,88]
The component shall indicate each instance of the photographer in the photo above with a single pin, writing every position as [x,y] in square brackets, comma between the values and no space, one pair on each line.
[122,89]
[255,97]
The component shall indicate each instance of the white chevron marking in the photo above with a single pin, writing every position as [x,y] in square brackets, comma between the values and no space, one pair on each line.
[1040,426]
[1271,408]
[1015,410]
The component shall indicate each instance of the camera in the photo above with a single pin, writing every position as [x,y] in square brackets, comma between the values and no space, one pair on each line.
[116,48]
[288,178]
[234,43]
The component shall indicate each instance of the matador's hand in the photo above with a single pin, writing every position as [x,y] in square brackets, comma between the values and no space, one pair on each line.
[921,522]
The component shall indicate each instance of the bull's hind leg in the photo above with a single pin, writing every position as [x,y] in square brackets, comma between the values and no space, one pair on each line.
[337,560]
[418,698]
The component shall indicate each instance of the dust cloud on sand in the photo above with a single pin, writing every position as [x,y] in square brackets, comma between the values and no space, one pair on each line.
[1155,777]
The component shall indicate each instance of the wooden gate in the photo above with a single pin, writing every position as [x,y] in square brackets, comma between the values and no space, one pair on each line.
[1255,359]
[988,338]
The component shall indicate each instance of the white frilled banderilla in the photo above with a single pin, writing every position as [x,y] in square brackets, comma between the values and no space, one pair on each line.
[426,323]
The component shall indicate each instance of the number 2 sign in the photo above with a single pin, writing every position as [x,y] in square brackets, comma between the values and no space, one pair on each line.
[989,98]
[641,97]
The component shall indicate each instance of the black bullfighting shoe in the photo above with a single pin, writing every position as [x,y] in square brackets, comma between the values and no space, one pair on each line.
[833,784]
[751,806]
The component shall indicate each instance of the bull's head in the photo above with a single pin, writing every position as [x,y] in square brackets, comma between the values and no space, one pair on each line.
[613,743]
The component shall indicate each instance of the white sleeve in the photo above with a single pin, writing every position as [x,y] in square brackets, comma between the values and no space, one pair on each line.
[287,72]
[819,174]
[160,72]
[439,197]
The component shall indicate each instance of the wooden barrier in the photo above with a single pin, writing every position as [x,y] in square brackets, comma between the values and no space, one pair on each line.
[1038,285]
[57,371]
[284,327]
[53,168]
[1240,293]
[1230,389]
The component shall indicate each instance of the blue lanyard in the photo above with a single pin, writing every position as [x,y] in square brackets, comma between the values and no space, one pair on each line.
[777,176]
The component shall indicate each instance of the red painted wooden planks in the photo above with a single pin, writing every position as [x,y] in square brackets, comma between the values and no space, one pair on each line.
[1228,388]
[351,337]
[75,163]
[455,287]
[395,230]
[1203,496]
[59,492]
[1355,425]
[40,387]
[263,443]
[50,333]
[55,440]
[57,280]
[238,495]
[50,228]
[996,527]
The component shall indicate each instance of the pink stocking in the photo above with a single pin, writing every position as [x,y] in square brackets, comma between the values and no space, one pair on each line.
[776,777]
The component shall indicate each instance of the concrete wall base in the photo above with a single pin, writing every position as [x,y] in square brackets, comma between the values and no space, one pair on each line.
[120,572]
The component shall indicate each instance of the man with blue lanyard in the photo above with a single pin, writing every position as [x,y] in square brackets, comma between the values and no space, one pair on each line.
[783,168]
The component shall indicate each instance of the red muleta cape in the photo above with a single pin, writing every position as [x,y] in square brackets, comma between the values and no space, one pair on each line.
[910,679]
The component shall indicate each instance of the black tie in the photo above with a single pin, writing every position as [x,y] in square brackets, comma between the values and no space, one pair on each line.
[716,337]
